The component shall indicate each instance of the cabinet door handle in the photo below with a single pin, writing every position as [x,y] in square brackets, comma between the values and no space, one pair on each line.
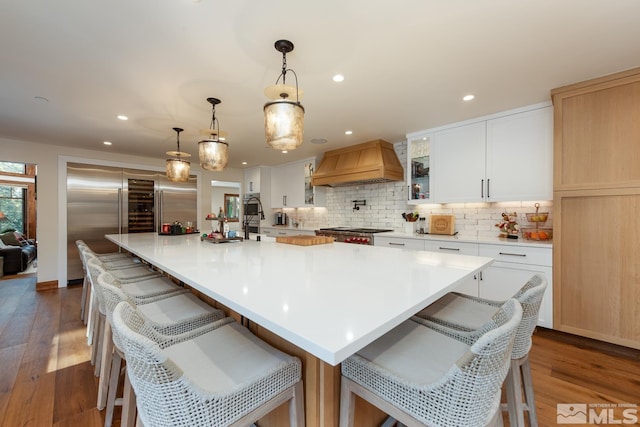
[442,248]
[482,188]
[396,244]
[488,191]
[510,254]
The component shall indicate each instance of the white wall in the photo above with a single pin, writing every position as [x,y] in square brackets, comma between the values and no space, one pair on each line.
[51,207]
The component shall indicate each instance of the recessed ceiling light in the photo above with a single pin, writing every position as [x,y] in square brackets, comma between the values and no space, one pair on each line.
[348,132]
[122,117]
[338,78]
[244,163]
[284,151]
[107,143]
[468,97]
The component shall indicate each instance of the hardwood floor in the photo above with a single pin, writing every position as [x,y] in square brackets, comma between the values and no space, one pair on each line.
[46,378]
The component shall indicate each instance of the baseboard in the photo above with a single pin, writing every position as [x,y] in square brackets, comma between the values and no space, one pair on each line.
[45,286]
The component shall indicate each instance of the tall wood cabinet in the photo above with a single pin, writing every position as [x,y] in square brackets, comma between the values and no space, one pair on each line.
[596,265]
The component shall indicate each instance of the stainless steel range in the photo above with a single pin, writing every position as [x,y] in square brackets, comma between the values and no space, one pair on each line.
[360,236]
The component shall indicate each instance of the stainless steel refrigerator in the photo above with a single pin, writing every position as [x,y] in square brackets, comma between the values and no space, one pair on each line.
[106,200]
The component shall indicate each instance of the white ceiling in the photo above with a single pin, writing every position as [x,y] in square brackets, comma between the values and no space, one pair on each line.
[406,64]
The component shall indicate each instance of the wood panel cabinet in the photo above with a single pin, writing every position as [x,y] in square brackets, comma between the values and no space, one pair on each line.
[596,196]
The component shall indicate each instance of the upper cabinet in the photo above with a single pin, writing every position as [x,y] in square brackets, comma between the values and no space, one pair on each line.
[597,133]
[503,157]
[520,156]
[256,179]
[459,164]
[418,168]
[291,186]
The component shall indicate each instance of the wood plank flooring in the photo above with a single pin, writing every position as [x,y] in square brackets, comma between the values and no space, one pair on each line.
[46,378]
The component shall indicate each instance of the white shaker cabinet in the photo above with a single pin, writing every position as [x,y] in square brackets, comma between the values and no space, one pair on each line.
[470,286]
[459,164]
[257,179]
[520,156]
[503,157]
[282,232]
[515,265]
[291,186]
[398,242]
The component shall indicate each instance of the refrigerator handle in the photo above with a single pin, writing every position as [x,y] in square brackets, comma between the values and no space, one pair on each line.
[120,213]
[160,205]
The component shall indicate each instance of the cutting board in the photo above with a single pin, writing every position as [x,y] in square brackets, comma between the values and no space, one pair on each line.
[442,224]
[303,240]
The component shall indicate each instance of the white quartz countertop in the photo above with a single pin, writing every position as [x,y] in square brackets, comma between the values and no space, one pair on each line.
[331,300]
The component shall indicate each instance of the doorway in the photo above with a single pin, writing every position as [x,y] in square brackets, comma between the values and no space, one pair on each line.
[18,196]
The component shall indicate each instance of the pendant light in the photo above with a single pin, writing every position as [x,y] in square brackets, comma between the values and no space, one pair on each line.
[284,115]
[213,152]
[177,168]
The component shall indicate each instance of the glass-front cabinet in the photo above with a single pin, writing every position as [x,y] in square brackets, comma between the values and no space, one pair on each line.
[419,157]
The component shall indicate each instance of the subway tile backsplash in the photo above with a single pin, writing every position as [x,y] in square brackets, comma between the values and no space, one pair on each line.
[386,202]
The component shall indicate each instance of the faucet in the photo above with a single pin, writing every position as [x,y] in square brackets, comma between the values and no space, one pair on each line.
[358,203]
[245,225]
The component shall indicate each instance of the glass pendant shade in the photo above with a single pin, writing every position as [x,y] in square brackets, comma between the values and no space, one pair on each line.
[178,170]
[283,124]
[214,154]
[284,115]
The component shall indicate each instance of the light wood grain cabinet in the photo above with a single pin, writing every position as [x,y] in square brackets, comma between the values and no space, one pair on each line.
[596,200]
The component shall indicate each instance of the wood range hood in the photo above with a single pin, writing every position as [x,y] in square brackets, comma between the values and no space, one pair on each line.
[371,162]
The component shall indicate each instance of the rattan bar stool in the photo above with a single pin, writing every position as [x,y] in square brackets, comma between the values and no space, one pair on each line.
[462,316]
[219,375]
[86,288]
[136,273]
[171,312]
[421,377]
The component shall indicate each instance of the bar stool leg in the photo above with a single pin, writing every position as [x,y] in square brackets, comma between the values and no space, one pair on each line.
[105,365]
[128,404]
[97,344]
[116,364]
[528,391]
[514,395]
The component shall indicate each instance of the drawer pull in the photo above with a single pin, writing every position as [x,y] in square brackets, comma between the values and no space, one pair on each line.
[510,254]
[442,248]
[396,244]
[282,233]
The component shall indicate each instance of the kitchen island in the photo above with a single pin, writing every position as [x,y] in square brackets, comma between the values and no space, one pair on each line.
[327,300]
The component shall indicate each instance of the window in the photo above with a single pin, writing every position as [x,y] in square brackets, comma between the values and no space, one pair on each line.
[10,167]
[13,208]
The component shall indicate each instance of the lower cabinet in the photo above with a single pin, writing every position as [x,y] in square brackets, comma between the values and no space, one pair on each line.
[470,286]
[515,265]
[280,232]
[398,242]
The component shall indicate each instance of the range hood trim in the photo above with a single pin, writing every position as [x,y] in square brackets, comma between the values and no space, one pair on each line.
[371,162]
